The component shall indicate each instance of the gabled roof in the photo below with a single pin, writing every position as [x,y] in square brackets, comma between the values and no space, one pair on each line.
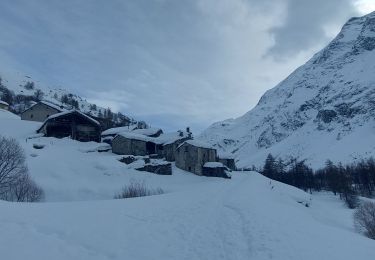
[135,136]
[46,103]
[170,138]
[117,130]
[67,113]
[198,143]
[163,139]
[148,131]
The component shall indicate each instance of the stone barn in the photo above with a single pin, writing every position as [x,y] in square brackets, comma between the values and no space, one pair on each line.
[170,142]
[228,161]
[72,124]
[215,169]
[130,143]
[4,105]
[192,155]
[40,111]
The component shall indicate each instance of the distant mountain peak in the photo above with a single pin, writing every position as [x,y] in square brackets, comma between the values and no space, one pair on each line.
[324,110]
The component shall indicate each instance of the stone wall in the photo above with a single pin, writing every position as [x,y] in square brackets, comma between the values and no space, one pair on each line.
[39,112]
[122,145]
[192,158]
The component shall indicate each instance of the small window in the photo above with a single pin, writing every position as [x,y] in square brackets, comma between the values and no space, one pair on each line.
[31,116]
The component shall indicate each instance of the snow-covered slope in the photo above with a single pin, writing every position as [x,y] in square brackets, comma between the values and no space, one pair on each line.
[246,217]
[242,218]
[16,81]
[323,110]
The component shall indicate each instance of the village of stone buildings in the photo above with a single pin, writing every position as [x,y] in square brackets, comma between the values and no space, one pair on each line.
[154,148]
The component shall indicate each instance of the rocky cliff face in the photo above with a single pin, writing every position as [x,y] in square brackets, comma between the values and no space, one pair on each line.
[323,110]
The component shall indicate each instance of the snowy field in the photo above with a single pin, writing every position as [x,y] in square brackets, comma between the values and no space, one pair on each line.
[247,217]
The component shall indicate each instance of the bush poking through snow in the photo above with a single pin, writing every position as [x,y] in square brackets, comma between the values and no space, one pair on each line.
[364,219]
[137,189]
[15,182]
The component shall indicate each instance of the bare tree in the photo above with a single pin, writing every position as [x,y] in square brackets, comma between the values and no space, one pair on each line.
[364,219]
[15,182]
[38,94]
[12,162]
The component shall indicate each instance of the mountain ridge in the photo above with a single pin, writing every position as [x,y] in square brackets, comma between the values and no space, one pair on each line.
[328,99]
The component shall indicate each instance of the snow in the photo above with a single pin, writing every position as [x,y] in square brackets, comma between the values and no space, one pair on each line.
[4,103]
[50,104]
[213,165]
[117,130]
[238,219]
[147,131]
[140,137]
[246,217]
[286,120]
[169,138]
[199,143]
[166,138]
[71,112]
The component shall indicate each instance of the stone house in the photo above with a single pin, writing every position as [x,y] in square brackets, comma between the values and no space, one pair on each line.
[40,111]
[170,142]
[72,124]
[4,105]
[164,145]
[192,155]
[129,143]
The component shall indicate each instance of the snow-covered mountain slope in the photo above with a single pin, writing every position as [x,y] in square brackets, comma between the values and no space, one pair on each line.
[323,110]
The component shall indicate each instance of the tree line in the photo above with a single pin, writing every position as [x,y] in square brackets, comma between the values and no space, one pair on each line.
[348,181]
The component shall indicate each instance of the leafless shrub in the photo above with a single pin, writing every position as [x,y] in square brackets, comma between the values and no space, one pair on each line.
[15,182]
[137,189]
[364,219]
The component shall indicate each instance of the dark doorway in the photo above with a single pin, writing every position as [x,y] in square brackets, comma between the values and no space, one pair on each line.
[59,131]
[150,148]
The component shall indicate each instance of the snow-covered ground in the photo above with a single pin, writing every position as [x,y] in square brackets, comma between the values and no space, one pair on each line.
[246,217]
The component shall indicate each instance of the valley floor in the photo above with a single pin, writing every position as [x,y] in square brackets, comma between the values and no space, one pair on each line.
[247,217]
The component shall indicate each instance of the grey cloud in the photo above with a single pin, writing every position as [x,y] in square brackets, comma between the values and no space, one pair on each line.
[304,25]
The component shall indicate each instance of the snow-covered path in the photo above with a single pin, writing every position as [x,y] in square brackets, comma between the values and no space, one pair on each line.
[244,218]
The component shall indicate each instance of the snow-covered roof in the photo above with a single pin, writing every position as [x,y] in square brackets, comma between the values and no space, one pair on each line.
[148,131]
[49,104]
[213,165]
[170,138]
[163,139]
[117,130]
[198,143]
[135,136]
[67,113]
[4,103]
[71,112]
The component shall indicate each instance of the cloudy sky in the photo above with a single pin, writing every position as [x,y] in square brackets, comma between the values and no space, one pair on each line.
[172,63]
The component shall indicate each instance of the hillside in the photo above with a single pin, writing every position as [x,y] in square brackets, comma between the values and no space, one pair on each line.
[323,110]
[21,90]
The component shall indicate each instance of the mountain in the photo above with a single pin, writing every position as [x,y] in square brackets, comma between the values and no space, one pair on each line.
[20,91]
[324,110]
